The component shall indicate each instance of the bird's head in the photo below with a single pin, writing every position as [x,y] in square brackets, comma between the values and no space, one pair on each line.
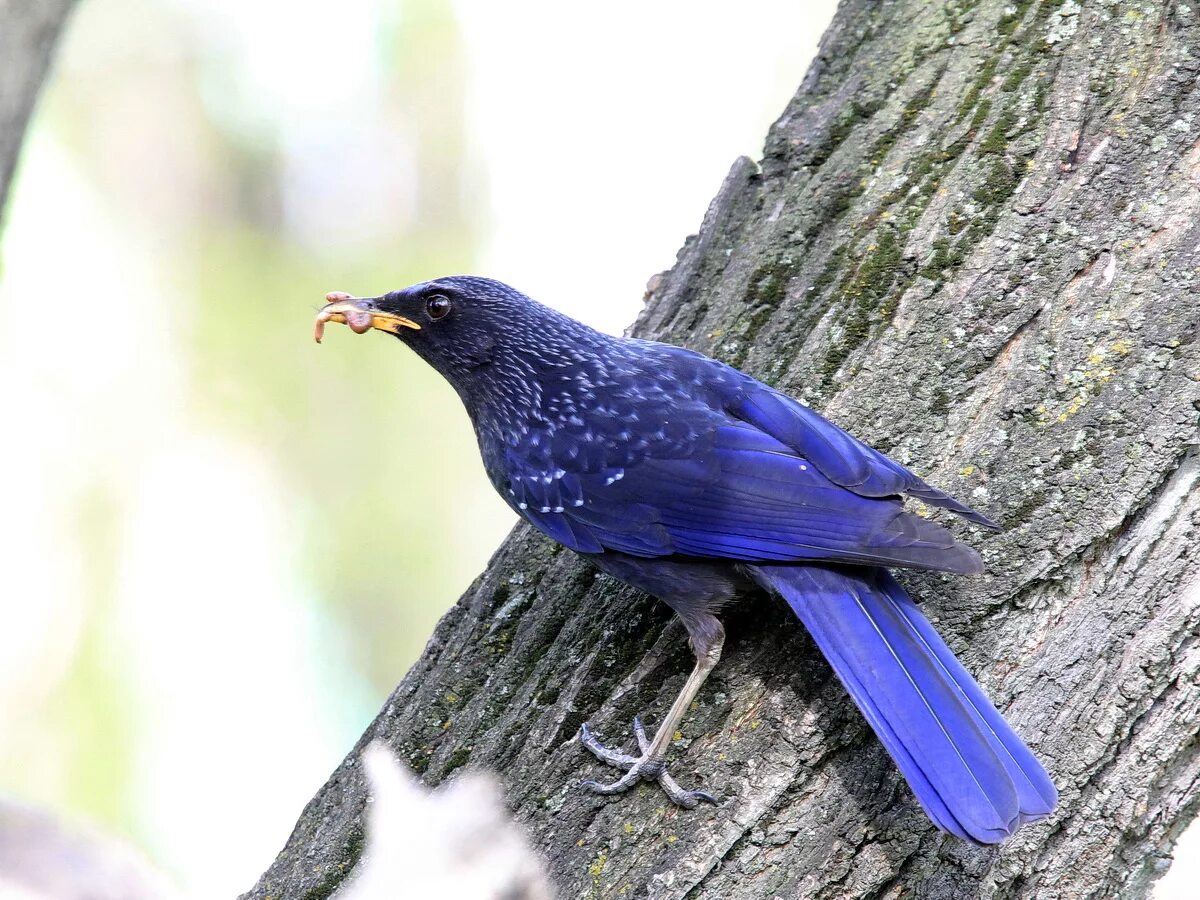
[480,334]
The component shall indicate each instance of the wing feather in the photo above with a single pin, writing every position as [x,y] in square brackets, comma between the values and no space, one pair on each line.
[726,489]
[845,460]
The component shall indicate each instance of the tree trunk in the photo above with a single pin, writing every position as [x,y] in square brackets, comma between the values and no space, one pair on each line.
[974,242]
[29,30]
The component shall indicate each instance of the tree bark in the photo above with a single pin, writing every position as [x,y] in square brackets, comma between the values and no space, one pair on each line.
[974,242]
[29,29]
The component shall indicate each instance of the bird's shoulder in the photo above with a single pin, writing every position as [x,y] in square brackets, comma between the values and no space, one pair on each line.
[640,399]
[603,415]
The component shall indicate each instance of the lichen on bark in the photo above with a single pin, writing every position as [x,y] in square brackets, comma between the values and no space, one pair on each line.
[974,241]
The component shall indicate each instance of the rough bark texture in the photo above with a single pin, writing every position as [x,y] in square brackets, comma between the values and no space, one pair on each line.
[29,30]
[974,241]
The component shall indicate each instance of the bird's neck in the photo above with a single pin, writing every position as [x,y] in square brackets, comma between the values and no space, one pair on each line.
[507,394]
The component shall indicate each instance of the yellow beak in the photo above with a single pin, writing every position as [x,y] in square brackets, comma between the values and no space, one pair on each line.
[360,314]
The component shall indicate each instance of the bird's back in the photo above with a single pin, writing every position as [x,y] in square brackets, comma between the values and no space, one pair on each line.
[649,449]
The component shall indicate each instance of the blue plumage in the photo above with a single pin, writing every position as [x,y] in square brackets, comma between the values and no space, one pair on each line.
[705,461]
[968,768]
[691,480]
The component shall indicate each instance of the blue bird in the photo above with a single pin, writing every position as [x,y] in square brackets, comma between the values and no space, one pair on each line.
[694,482]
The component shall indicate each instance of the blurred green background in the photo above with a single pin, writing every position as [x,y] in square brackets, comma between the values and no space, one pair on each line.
[223,545]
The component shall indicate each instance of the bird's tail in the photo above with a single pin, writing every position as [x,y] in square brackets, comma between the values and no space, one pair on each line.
[970,771]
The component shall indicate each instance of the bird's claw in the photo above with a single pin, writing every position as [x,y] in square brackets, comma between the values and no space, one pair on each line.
[604,754]
[639,732]
[643,768]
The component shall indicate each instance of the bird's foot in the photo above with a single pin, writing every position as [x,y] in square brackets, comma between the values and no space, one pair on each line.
[647,767]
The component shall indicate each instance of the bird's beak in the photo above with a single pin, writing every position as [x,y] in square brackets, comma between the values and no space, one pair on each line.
[361,314]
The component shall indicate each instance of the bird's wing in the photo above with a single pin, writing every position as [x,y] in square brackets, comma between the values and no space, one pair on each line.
[843,459]
[686,477]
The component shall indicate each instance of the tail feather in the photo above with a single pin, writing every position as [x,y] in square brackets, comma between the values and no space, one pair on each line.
[969,769]
[1036,792]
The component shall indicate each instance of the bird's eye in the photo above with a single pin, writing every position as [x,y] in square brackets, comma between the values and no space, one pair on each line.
[437,306]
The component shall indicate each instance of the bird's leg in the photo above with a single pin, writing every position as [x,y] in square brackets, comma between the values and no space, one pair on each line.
[652,765]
